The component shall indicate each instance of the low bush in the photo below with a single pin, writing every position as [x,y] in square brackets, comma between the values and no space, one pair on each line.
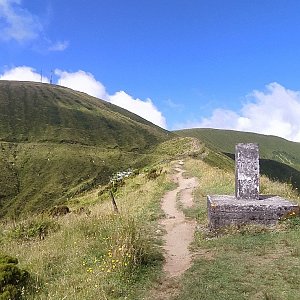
[37,227]
[59,210]
[13,280]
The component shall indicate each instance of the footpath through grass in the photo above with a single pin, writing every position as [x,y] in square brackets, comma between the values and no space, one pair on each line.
[101,255]
[248,263]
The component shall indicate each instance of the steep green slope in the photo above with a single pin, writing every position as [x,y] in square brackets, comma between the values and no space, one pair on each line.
[280,159]
[34,112]
[56,142]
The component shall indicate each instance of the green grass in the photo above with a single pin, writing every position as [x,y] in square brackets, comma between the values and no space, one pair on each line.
[56,143]
[252,262]
[35,112]
[98,256]
[279,158]
[41,175]
[271,147]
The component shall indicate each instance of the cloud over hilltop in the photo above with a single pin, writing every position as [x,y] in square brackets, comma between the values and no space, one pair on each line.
[23,73]
[275,111]
[85,82]
[144,108]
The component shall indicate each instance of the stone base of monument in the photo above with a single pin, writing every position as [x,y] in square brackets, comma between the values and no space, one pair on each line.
[228,210]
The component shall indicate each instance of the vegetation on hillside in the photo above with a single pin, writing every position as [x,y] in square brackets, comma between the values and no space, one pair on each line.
[93,253]
[61,146]
[13,281]
[280,159]
[56,143]
[35,112]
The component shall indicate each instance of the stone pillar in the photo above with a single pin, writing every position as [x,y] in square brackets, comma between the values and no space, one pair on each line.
[247,171]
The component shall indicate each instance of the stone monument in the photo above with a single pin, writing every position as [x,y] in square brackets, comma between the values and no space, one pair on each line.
[247,206]
[246,171]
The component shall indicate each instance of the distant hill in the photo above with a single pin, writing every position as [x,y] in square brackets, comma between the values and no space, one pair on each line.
[55,142]
[280,159]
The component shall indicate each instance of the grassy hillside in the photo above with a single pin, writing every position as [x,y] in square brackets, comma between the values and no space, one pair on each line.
[56,142]
[280,159]
[35,112]
[103,255]
[97,255]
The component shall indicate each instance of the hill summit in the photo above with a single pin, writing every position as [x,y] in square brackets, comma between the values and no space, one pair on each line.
[55,141]
[35,112]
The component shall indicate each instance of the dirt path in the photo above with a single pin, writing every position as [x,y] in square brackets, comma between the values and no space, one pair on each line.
[179,234]
[179,230]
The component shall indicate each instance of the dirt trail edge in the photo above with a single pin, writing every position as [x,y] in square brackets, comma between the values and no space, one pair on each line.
[179,230]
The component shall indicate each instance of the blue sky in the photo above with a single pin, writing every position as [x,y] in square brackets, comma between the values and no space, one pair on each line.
[223,64]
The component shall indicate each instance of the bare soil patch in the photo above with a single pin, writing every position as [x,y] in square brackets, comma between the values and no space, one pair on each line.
[179,234]
[179,230]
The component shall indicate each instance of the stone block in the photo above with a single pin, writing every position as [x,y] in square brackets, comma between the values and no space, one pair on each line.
[246,171]
[224,210]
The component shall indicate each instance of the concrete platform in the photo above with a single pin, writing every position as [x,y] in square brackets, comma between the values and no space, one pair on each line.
[224,210]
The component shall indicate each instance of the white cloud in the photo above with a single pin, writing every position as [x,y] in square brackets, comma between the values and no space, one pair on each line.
[173,105]
[23,73]
[275,111]
[59,46]
[83,82]
[17,23]
[86,82]
[146,109]
[20,25]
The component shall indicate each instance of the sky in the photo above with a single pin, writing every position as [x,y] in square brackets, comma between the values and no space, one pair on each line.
[231,64]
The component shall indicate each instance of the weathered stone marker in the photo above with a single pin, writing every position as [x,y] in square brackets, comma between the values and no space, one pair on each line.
[246,171]
[247,206]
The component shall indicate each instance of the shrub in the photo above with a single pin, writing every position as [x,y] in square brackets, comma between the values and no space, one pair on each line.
[12,279]
[153,173]
[37,227]
[59,210]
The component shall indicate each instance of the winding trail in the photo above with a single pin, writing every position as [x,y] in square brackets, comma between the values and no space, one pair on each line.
[179,230]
